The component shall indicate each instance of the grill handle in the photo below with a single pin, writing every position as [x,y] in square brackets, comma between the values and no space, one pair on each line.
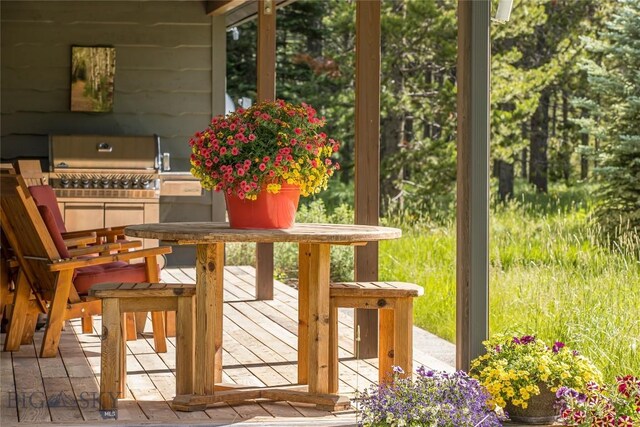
[166,161]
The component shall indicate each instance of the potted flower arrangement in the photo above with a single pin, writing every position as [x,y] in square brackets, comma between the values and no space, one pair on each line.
[617,406]
[523,374]
[262,159]
[433,398]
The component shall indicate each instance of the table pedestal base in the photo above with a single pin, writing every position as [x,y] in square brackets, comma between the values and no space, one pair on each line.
[231,393]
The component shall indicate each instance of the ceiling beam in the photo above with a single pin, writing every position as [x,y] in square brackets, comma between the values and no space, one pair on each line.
[220,7]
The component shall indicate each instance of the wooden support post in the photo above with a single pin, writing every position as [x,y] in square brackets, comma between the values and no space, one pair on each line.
[403,335]
[208,352]
[386,346]
[334,361]
[266,86]
[110,360]
[18,313]
[87,324]
[472,255]
[367,159]
[304,256]
[56,316]
[157,317]
[29,328]
[131,325]
[185,345]
[318,336]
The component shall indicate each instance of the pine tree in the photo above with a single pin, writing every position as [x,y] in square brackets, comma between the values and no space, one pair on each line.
[614,104]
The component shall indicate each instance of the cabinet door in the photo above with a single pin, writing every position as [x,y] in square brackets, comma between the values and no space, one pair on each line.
[83,216]
[119,214]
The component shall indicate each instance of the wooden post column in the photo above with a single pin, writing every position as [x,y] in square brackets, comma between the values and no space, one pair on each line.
[266,71]
[367,160]
[472,255]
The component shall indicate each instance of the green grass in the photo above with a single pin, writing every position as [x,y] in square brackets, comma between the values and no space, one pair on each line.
[548,277]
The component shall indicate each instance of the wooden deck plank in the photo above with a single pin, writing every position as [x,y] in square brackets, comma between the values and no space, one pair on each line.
[260,348]
[286,316]
[30,394]
[160,374]
[61,400]
[280,409]
[223,413]
[8,406]
[145,393]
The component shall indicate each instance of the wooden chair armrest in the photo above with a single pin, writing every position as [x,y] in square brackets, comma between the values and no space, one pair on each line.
[87,239]
[80,233]
[129,244]
[111,235]
[95,249]
[104,259]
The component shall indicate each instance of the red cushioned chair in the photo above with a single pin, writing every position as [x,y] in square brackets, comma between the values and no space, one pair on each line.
[58,276]
[44,195]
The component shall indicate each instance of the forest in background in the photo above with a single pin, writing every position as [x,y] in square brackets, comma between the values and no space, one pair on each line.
[564,260]
[564,90]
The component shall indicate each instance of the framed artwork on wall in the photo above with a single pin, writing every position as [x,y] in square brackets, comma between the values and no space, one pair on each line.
[93,71]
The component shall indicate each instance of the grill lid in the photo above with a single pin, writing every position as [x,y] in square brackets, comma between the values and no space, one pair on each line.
[103,152]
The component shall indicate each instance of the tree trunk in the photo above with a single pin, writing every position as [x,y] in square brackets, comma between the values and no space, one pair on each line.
[524,157]
[392,138]
[565,147]
[505,180]
[538,162]
[584,160]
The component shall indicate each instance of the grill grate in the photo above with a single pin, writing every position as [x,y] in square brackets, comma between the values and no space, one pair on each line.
[106,193]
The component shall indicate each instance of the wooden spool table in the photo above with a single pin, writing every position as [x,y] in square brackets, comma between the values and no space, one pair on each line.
[315,242]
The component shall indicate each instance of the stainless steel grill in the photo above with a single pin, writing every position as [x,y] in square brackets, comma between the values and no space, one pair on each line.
[106,181]
[113,167]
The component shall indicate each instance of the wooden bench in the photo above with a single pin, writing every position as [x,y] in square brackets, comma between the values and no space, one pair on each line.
[394,300]
[121,298]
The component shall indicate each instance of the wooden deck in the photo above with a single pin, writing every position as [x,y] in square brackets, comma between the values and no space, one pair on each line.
[259,349]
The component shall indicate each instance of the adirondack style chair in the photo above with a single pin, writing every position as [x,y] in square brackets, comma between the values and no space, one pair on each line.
[59,278]
[43,194]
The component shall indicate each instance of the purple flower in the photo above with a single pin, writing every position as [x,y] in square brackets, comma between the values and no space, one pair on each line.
[557,346]
[527,339]
[398,370]
[434,398]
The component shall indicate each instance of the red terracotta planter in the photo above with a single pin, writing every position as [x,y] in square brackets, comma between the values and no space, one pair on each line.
[267,211]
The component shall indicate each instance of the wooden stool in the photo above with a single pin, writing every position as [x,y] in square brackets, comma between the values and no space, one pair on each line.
[120,298]
[394,300]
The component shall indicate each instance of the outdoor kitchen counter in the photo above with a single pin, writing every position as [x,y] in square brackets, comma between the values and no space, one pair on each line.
[315,242]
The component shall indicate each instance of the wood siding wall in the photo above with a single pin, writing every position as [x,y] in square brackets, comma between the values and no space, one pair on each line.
[168,78]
